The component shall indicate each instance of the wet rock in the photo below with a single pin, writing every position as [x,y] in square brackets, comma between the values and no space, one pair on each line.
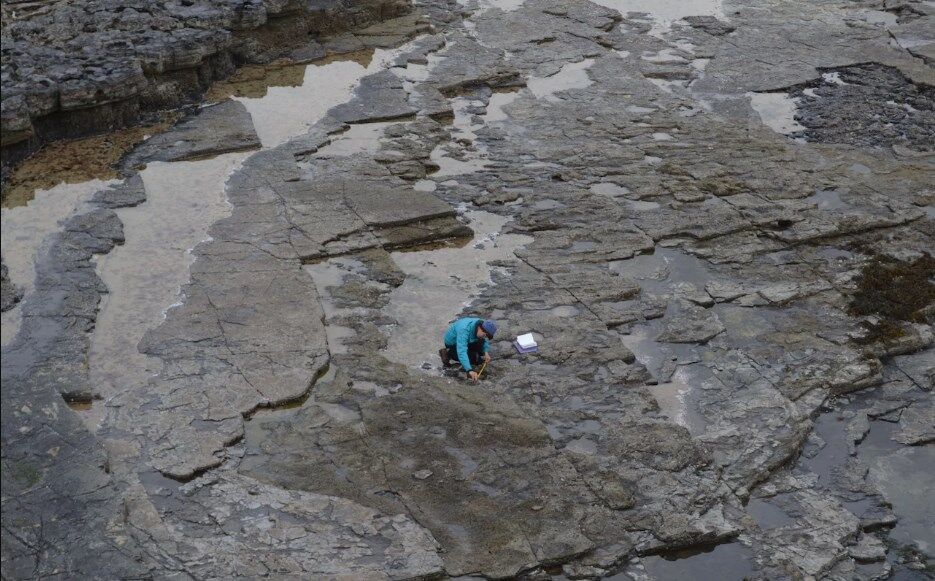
[470,64]
[857,428]
[673,450]
[215,348]
[918,368]
[380,97]
[222,358]
[564,456]
[251,515]
[849,568]
[867,104]
[878,518]
[690,324]
[692,293]
[109,64]
[213,130]
[63,304]
[814,540]
[710,24]
[868,549]
[128,193]
[917,424]
[851,479]
[10,294]
[392,32]
[62,495]
[59,491]
[462,498]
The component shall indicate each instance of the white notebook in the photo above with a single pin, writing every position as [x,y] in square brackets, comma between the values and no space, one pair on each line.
[526,341]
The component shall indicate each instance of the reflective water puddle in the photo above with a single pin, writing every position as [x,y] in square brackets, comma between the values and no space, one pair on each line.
[328,275]
[255,81]
[485,5]
[904,475]
[664,12]
[669,273]
[24,228]
[828,200]
[673,366]
[777,111]
[901,473]
[76,161]
[499,100]
[359,138]
[473,157]
[570,76]
[714,563]
[285,112]
[144,276]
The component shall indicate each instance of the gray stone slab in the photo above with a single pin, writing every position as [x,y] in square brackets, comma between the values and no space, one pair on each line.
[213,130]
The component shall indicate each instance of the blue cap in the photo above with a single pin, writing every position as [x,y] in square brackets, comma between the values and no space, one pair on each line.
[490,328]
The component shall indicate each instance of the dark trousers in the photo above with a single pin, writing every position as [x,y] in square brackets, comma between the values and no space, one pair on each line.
[475,353]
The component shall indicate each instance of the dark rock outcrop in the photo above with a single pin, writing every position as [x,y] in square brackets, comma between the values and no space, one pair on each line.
[10,294]
[71,69]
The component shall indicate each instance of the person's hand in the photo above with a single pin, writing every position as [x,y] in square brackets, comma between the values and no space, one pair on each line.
[486,357]
[472,375]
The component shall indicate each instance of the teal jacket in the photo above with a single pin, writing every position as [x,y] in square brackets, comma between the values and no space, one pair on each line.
[462,333]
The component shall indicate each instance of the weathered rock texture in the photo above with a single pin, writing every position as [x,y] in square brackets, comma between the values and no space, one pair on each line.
[60,503]
[869,105]
[70,69]
[697,282]
[211,131]
[10,294]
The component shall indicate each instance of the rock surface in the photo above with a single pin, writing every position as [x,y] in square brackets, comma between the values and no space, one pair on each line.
[61,504]
[10,294]
[709,370]
[74,69]
[213,130]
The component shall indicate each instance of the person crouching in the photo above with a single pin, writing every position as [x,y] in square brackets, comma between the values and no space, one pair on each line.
[468,341]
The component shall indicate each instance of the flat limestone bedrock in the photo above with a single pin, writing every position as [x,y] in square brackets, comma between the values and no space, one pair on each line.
[749,455]
[63,80]
[71,510]
[250,338]
[60,502]
[558,250]
[213,130]
[224,357]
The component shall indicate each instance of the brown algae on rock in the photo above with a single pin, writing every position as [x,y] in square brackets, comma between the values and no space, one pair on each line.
[893,291]
[77,160]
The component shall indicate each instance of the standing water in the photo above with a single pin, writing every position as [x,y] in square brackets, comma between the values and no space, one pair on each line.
[145,275]
[664,12]
[776,110]
[285,112]
[570,76]
[674,365]
[24,230]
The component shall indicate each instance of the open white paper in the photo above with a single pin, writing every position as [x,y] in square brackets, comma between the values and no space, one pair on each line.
[526,341]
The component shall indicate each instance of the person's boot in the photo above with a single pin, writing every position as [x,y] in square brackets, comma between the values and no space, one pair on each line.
[443,353]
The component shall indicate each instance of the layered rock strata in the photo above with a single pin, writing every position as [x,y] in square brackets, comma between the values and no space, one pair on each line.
[69,70]
[717,349]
